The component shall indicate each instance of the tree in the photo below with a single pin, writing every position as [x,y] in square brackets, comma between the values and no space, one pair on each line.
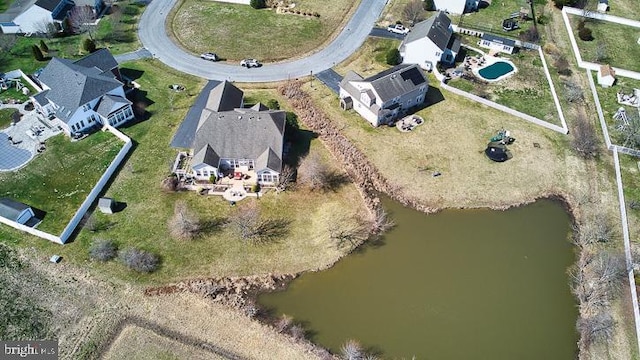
[313,172]
[584,140]
[169,184]
[595,329]
[560,3]
[630,129]
[287,178]
[43,46]
[601,52]
[413,12]
[139,260]
[585,34]
[351,350]
[562,65]
[380,221]
[393,57]
[37,53]
[292,120]
[248,223]
[530,35]
[258,4]
[273,104]
[428,5]
[47,28]
[573,92]
[103,250]
[81,20]
[89,45]
[183,225]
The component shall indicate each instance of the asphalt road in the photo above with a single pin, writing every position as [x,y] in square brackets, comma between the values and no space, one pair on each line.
[154,38]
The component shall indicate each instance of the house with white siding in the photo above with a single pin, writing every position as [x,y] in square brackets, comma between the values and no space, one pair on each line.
[456,6]
[384,97]
[229,139]
[430,42]
[84,93]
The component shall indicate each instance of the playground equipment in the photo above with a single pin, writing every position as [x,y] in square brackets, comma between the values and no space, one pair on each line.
[503,137]
[621,118]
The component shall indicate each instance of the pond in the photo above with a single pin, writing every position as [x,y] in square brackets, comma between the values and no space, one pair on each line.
[460,284]
[496,71]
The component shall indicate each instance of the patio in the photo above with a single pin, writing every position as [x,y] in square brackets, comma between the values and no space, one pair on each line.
[19,143]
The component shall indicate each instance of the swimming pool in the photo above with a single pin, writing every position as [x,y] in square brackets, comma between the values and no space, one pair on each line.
[496,71]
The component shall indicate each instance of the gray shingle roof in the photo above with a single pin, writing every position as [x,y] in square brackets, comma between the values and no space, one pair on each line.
[345,83]
[498,39]
[269,160]
[224,97]
[73,86]
[397,81]
[110,103]
[436,28]
[48,4]
[101,59]
[206,155]
[183,138]
[11,209]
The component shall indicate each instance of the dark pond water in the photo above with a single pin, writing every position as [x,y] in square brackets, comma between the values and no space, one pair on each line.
[460,284]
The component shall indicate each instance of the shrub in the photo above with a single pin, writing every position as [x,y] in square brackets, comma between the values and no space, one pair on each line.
[316,14]
[169,184]
[139,260]
[184,224]
[89,45]
[585,34]
[393,57]
[37,53]
[103,250]
[258,4]
[292,120]
[562,65]
[428,5]
[273,104]
[255,188]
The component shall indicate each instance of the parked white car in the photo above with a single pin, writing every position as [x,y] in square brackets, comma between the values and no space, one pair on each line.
[209,56]
[398,29]
[249,63]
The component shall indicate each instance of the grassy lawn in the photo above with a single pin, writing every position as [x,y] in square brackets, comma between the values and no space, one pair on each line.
[4,5]
[526,91]
[370,59]
[303,246]
[5,117]
[625,8]
[609,103]
[13,94]
[619,43]
[201,26]
[59,180]
[116,34]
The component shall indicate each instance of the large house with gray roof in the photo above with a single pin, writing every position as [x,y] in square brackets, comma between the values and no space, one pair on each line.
[229,138]
[430,42]
[39,16]
[384,97]
[84,93]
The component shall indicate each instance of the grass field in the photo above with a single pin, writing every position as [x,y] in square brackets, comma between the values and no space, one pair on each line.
[219,251]
[609,103]
[526,91]
[625,8]
[117,35]
[5,117]
[370,58]
[4,5]
[236,31]
[59,180]
[618,43]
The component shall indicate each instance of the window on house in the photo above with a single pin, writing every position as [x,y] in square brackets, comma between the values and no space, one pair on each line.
[81,123]
[73,127]
[506,48]
[438,53]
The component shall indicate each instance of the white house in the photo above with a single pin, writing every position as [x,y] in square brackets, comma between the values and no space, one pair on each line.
[497,43]
[15,211]
[42,16]
[226,138]
[456,6]
[83,93]
[384,97]
[430,41]
[606,76]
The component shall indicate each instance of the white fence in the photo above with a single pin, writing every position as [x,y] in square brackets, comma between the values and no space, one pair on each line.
[243,2]
[93,194]
[574,44]
[88,201]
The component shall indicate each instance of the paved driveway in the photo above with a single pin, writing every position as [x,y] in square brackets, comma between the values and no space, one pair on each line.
[154,37]
[383,33]
[330,78]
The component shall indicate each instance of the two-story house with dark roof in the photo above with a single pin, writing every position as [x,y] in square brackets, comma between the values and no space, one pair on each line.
[37,17]
[384,97]
[83,93]
[228,138]
[430,42]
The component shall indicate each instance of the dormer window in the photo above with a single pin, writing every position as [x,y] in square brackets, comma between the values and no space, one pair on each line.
[85,107]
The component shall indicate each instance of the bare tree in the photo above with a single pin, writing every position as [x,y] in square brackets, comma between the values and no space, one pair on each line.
[595,329]
[183,225]
[169,184]
[584,140]
[380,221]
[82,20]
[629,128]
[139,260]
[573,92]
[413,12]
[351,350]
[103,250]
[313,172]
[297,331]
[284,323]
[287,178]
[601,52]
[248,222]
[47,28]
[7,42]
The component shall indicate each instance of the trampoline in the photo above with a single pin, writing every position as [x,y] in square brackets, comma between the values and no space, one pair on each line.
[12,157]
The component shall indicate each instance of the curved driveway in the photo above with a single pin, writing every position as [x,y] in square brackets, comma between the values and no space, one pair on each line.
[154,38]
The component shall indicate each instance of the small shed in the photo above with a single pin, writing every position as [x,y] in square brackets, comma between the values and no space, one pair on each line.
[603,5]
[106,205]
[497,43]
[606,76]
[15,211]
